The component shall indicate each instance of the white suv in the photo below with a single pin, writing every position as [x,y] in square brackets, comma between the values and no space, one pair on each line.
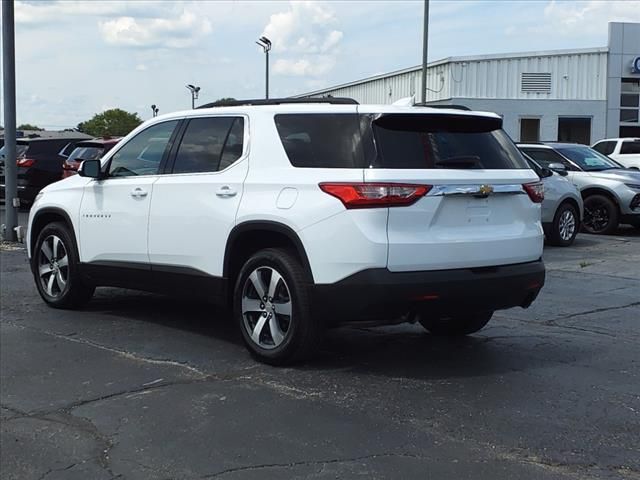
[302,215]
[625,151]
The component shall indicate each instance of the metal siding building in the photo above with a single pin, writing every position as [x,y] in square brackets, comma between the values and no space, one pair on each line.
[554,95]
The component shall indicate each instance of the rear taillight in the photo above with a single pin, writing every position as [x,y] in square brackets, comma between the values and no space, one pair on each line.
[535,191]
[25,162]
[371,195]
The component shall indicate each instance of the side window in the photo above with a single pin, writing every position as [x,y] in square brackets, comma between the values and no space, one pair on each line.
[545,156]
[232,150]
[143,153]
[630,147]
[204,144]
[605,148]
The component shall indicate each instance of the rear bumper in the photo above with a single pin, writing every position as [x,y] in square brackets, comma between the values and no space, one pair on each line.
[378,294]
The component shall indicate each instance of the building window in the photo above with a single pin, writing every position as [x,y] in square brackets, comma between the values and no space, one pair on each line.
[574,129]
[535,82]
[529,129]
[629,100]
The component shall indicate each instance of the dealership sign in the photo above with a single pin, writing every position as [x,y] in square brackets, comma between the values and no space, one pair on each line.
[635,67]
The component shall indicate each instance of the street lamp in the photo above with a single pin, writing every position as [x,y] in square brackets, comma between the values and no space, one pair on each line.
[155,110]
[194,94]
[265,43]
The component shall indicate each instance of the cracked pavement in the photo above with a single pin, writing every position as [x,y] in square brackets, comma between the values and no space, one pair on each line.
[138,386]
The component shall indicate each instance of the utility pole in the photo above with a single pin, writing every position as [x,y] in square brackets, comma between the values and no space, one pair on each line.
[265,43]
[9,84]
[425,47]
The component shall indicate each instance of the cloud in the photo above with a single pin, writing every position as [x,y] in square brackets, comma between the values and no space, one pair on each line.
[141,67]
[181,32]
[586,17]
[305,39]
[40,12]
[307,66]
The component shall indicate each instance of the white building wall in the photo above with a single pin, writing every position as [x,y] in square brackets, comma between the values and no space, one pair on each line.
[575,75]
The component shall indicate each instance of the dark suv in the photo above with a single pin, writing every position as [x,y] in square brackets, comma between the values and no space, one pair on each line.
[39,163]
[92,149]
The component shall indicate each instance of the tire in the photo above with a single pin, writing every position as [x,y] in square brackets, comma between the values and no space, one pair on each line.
[565,226]
[280,330]
[601,215]
[454,325]
[57,273]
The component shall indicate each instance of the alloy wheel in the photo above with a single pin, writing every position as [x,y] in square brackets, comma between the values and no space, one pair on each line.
[53,266]
[596,217]
[266,308]
[567,225]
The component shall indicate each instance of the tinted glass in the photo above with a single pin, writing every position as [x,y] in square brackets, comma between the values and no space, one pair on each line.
[20,151]
[232,150]
[202,145]
[588,159]
[321,140]
[143,153]
[627,115]
[86,153]
[605,148]
[68,148]
[443,141]
[545,156]
[630,147]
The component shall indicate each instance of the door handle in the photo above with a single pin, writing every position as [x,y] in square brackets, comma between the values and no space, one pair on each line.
[226,191]
[138,192]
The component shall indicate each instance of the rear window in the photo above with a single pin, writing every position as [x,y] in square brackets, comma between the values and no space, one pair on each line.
[396,141]
[86,153]
[605,148]
[21,149]
[630,147]
[443,141]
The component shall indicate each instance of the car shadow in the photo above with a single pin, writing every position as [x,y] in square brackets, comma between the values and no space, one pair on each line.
[399,351]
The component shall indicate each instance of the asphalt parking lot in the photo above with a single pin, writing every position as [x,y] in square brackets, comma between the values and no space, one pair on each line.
[138,386]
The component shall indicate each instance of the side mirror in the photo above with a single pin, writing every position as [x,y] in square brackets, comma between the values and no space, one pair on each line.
[90,169]
[546,172]
[558,168]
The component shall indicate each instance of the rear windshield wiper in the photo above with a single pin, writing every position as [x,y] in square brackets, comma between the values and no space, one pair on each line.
[462,161]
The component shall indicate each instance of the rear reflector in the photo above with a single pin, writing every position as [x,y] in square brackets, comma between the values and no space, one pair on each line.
[25,162]
[535,191]
[372,195]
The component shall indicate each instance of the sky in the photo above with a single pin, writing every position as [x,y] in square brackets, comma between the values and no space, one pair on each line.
[78,58]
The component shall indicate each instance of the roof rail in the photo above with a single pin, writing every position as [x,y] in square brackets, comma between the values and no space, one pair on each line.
[454,107]
[281,101]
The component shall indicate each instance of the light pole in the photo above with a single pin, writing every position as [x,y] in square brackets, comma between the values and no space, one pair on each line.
[155,110]
[425,45]
[194,94]
[265,43]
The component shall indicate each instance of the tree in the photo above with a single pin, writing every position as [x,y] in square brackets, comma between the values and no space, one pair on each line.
[222,101]
[114,122]
[28,126]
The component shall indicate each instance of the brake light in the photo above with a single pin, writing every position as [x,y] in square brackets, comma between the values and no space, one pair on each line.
[372,195]
[70,166]
[25,162]
[535,191]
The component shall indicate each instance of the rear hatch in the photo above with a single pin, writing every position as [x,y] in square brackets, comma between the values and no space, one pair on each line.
[477,212]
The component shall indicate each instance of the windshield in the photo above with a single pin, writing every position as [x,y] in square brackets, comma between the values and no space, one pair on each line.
[588,159]
[86,153]
[20,151]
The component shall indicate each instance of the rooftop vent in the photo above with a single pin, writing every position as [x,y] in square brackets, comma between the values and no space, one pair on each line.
[536,83]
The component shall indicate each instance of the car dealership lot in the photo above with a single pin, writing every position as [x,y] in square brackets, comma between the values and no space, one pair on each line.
[143,386]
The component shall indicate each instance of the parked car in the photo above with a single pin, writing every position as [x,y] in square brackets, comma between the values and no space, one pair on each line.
[562,207]
[610,192]
[625,151]
[39,163]
[87,150]
[290,213]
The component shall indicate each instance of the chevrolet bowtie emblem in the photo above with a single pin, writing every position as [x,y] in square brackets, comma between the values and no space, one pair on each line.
[485,190]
